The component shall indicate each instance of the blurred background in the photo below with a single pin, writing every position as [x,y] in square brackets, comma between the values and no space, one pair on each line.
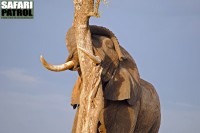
[162,36]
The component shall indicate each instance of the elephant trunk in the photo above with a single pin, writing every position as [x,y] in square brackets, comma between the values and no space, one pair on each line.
[57,68]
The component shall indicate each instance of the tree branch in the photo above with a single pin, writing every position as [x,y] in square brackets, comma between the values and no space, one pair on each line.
[91,97]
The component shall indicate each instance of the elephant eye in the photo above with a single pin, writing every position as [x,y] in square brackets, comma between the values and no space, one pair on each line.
[110,45]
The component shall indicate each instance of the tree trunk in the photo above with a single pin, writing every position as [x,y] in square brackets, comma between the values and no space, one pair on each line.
[91,97]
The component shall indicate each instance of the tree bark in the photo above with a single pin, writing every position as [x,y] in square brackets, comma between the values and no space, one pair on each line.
[91,97]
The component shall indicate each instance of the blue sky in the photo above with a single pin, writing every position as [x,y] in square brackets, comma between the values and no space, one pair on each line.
[162,36]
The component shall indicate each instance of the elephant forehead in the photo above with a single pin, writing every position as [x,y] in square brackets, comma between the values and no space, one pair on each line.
[105,48]
[102,41]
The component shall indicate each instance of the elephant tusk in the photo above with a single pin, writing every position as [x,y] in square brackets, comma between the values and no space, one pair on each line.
[56,68]
[96,59]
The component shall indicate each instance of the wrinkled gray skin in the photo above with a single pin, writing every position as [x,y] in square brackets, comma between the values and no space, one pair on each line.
[131,103]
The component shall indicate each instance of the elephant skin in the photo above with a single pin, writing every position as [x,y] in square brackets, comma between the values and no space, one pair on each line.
[131,103]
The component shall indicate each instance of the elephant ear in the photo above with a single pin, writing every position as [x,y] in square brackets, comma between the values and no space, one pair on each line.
[75,98]
[124,84]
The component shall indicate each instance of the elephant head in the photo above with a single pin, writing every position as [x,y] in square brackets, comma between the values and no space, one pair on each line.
[120,77]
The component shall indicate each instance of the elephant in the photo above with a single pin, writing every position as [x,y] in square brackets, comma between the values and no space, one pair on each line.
[131,104]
